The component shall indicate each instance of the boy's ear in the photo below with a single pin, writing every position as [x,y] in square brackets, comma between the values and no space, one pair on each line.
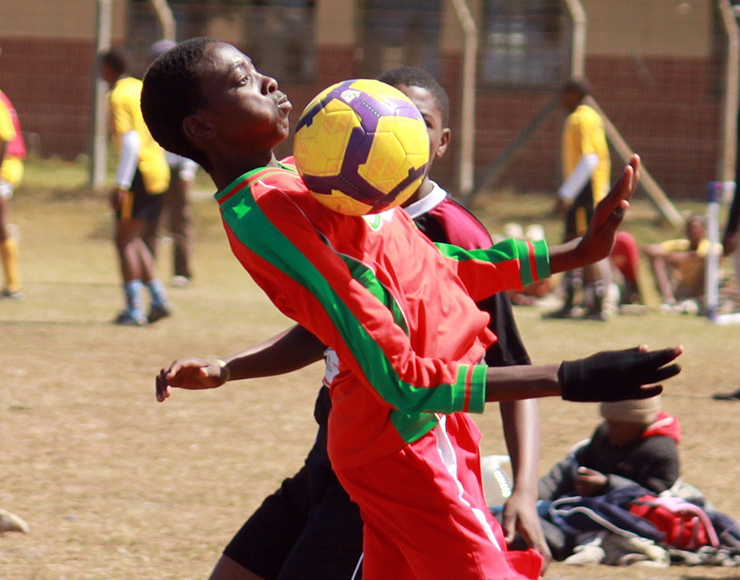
[443,142]
[196,128]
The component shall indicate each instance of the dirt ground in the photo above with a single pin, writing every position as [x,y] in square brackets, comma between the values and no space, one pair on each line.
[116,486]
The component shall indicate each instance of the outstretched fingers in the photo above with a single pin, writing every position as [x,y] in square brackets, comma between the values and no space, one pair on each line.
[647,392]
[658,358]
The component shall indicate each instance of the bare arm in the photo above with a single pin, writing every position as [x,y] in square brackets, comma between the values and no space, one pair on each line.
[521,422]
[288,351]
[604,376]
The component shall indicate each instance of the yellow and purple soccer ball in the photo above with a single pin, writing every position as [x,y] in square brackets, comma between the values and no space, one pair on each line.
[361,146]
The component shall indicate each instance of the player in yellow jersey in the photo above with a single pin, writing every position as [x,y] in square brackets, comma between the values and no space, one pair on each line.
[142,176]
[586,174]
[12,155]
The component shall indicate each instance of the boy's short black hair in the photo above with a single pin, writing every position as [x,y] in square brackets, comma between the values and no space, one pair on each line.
[171,93]
[116,57]
[410,76]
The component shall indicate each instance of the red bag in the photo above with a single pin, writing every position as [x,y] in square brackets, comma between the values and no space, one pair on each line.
[686,526]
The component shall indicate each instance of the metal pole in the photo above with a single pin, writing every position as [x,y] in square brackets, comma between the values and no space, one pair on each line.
[578,45]
[467,121]
[730,104]
[100,117]
[165,18]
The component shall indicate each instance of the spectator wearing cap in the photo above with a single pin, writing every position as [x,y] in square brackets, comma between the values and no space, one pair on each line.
[636,443]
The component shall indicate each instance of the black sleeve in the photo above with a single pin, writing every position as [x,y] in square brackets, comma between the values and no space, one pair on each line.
[509,349]
[734,219]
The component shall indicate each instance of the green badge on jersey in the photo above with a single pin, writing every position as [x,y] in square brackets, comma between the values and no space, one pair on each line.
[375,220]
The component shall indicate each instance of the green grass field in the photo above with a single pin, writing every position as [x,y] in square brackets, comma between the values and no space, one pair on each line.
[116,486]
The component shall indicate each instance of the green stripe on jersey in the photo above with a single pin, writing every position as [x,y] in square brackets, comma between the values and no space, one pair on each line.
[253,229]
[506,251]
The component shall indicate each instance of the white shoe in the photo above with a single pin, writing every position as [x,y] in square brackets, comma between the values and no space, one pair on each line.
[9,522]
[588,554]
[180,281]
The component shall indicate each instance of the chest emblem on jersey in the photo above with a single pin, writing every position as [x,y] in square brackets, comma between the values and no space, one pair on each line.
[375,220]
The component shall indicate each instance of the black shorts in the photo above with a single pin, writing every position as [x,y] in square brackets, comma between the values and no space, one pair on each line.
[580,213]
[308,529]
[138,203]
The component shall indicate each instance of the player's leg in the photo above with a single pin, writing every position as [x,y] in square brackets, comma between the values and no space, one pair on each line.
[330,546]
[415,502]
[662,277]
[180,226]
[127,233]
[228,569]
[265,541]
[147,208]
[8,246]
[572,281]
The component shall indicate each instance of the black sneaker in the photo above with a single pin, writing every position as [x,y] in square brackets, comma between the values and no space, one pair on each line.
[126,318]
[565,313]
[734,396]
[11,294]
[158,313]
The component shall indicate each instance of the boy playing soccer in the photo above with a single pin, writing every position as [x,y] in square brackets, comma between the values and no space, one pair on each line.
[309,528]
[400,439]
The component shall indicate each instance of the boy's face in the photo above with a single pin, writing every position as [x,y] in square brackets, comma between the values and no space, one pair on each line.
[244,111]
[623,433]
[439,135]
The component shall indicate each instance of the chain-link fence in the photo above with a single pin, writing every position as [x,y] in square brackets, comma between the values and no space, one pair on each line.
[656,67]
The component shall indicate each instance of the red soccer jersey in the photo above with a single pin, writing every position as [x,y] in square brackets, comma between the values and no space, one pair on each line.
[399,311]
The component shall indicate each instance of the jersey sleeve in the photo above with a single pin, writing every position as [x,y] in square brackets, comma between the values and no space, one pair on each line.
[507,265]
[121,114]
[7,130]
[315,287]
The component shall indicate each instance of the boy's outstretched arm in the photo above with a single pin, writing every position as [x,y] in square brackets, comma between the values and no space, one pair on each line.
[598,241]
[288,351]
[605,376]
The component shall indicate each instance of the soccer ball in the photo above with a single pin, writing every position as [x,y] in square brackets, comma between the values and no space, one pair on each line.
[361,146]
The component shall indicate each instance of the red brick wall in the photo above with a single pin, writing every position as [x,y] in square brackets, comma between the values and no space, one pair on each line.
[668,110]
[51,85]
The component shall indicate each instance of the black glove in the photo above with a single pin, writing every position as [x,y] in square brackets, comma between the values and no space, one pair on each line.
[616,375]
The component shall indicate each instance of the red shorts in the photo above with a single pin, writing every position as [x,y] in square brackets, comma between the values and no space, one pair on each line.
[425,515]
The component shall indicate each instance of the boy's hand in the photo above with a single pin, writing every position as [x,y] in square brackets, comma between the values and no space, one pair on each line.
[617,375]
[189,373]
[117,195]
[598,241]
[590,482]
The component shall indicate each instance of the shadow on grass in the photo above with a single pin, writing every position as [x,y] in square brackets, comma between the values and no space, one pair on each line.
[737,577]
[55,323]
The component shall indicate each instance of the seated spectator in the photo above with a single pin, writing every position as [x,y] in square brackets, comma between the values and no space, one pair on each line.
[635,445]
[678,266]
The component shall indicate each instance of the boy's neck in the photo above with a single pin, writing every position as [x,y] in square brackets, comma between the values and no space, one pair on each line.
[229,170]
[424,189]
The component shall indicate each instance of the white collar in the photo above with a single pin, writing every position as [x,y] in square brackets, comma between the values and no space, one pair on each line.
[428,202]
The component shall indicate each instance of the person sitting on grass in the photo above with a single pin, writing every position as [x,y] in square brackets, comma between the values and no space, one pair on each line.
[400,438]
[678,266]
[636,445]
